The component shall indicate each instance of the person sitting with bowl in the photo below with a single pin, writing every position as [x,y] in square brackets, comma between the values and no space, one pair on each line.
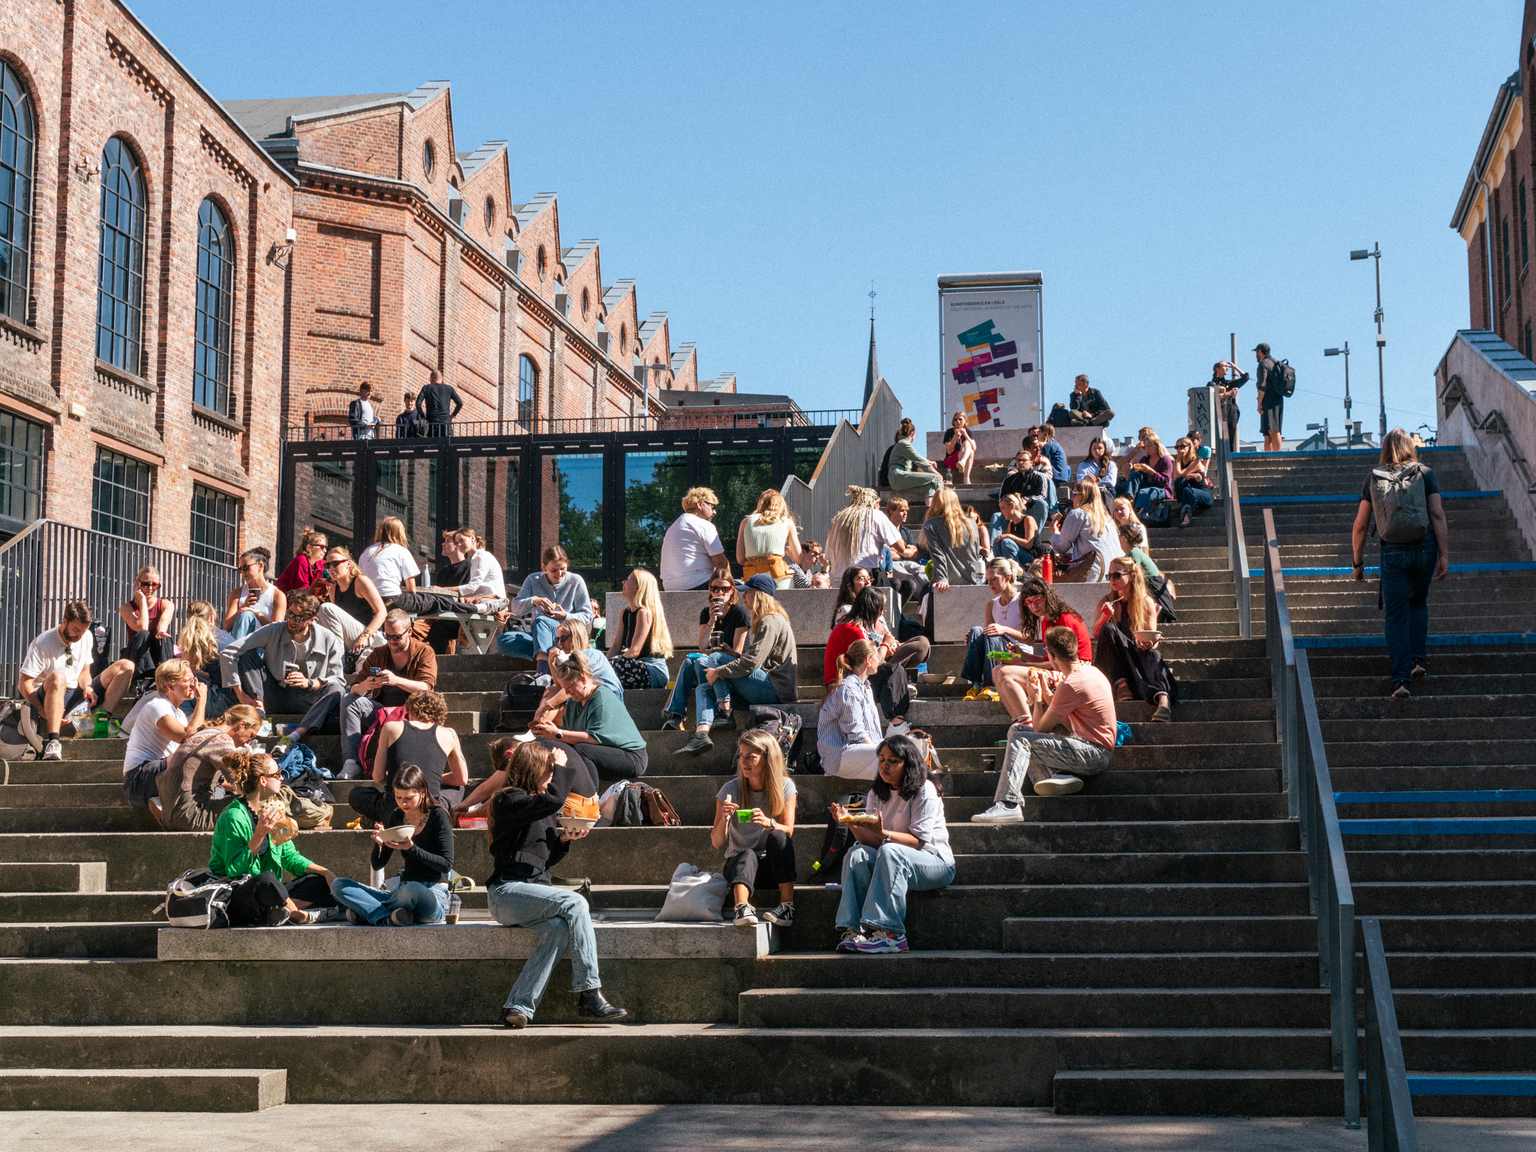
[420,828]
[1125,634]
[755,825]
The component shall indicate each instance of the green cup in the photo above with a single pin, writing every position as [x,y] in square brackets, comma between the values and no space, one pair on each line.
[744,815]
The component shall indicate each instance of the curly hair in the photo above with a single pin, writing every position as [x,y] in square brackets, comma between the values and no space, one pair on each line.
[427,708]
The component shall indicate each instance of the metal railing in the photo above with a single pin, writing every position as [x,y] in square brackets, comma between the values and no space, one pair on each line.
[1237,546]
[325,426]
[48,564]
[1388,1101]
[1304,761]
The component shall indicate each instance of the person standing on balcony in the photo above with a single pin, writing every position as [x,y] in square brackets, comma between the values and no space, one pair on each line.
[1403,498]
[691,552]
[438,404]
[55,676]
[362,415]
[1271,398]
[409,422]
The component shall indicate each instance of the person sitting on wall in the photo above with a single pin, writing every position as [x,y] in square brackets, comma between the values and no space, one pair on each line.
[552,594]
[691,552]
[760,850]
[148,618]
[388,561]
[767,539]
[289,666]
[723,629]
[959,448]
[910,473]
[1085,408]
[389,677]
[643,645]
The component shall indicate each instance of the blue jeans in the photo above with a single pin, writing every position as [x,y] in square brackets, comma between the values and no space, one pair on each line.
[690,679]
[528,645]
[977,668]
[428,903]
[1193,499]
[753,688]
[1406,570]
[876,882]
[561,918]
[1013,550]
[245,623]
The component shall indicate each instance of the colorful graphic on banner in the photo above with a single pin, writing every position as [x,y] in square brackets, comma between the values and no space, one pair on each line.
[991,336]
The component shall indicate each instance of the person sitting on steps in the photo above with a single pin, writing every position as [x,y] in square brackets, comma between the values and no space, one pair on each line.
[1191,488]
[1044,609]
[1015,533]
[959,448]
[1131,663]
[426,860]
[724,626]
[526,841]
[1002,623]
[848,727]
[424,739]
[149,619]
[596,728]
[243,849]
[55,676]
[352,608]
[905,849]
[159,728]
[1054,764]
[307,565]
[643,643]
[194,769]
[257,602]
[760,851]
[389,677]
[289,666]
[865,620]
[764,674]
[552,594]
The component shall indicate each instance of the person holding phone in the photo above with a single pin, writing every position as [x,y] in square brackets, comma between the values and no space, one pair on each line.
[755,826]
[257,602]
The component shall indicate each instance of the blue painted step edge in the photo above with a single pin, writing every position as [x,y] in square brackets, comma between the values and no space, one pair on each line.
[1449,640]
[1448,826]
[1347,497]
[1491,796]
[1373,570]
[1472,1085]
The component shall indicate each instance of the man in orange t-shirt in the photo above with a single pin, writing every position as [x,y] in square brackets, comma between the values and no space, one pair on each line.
[1054,764]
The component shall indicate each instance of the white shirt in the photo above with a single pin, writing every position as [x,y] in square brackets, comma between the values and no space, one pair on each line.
[146,742]
[922,816]
[49,652]
[389,566]
[685,552]
[878,533]
[485,577]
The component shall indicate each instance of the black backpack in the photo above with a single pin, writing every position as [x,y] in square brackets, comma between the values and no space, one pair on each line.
[828,867]
[785,726]
[1287,374]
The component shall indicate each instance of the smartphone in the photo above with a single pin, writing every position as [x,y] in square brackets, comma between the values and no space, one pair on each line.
[290,666]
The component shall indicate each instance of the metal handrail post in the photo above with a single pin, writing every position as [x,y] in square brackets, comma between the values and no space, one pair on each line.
[1389,1104]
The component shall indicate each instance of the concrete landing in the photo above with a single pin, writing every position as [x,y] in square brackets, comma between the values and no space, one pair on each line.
[617,939]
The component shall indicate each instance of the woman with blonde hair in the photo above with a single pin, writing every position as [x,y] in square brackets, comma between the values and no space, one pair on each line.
[859,530]
[1131,663]
[1086,535]
[353,608]
[388,561]
[1015,533]
[755,826]
[1191,485]
[149,619]
[764,539]
[642,644]
[193,771]
[691,551]
[1124,514]
[959,447]
[849,727]
[953,542]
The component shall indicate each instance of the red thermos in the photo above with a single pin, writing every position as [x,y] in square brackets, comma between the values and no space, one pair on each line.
[1045,568]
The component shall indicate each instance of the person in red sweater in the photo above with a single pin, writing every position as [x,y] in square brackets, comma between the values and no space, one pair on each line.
[1044,609]
[866,621]
[308,566]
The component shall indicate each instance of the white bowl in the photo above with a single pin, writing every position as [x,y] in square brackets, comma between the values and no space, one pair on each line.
[1148,635]
[399,835]
[576,823]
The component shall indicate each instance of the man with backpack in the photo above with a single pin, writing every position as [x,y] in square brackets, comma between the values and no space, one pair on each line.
[1270,381]
[1402,499]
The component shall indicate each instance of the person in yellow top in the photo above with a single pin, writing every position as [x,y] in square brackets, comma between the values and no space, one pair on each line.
[244,850]
[766,540]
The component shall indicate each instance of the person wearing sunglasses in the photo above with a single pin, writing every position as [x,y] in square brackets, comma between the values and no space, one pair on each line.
[149,619]
[388,678]
[1125,637]
[55,676]
[256,602]
[691,552]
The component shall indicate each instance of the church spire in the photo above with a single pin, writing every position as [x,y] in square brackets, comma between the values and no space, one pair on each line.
[872,370]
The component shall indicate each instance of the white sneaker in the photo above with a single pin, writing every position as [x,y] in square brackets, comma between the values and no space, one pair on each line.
[1000,813]
[1061,785]
[53,750]
[350,770]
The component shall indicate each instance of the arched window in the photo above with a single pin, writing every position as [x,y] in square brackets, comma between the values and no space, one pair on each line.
[428,159]
[543,261]
[490,214]
[586,303]
[623,339]
[215,306]
[17,137]
[527,377]
[120,278]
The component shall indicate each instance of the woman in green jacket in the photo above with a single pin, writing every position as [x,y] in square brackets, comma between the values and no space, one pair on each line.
[244,849]
[910,474]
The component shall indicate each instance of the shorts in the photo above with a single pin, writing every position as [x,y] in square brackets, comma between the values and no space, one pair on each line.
[75,697]
[1269,418]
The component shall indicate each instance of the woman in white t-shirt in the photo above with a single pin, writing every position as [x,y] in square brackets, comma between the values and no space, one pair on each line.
[160,726]
[388,561]
[759,848]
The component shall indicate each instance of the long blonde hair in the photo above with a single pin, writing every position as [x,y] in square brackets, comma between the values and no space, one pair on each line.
[1140,612]
[847,528]
[1155,447]
[1132,518]
[391,531]
[771,507]
[1397,448]
[1091,504]
[648,596]
[773,768]
[766,604]
[1184,451]
[945,505]
[854,655]
[197,642]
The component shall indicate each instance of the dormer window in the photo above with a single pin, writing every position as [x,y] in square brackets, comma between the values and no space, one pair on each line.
[428,159]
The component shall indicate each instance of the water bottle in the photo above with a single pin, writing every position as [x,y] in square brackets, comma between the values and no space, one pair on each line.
[1045,568]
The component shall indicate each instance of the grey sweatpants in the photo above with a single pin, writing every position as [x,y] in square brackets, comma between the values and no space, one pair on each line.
[1035,756]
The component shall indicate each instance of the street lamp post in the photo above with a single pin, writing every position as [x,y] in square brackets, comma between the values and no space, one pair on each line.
[1344,352]
[1381,341]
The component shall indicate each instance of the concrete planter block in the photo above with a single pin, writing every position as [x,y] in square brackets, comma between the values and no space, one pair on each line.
[1002,443]
[810,613]
[963,607]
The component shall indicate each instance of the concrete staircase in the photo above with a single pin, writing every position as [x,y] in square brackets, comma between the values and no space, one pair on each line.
[1431,790]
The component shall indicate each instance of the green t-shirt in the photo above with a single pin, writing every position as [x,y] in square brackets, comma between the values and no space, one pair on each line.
[604,718]
[1144,562]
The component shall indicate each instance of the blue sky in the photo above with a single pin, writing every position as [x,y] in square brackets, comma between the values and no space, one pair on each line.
[1178,172]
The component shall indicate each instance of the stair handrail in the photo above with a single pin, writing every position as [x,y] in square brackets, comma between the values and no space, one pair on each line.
[1388,1101]
[1304,761]
[1237,547]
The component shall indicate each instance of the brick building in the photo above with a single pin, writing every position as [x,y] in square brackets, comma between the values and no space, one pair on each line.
[140,308]
[1494,212]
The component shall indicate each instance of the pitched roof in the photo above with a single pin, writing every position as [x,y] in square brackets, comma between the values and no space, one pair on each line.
[680,356]
[721,383]
[614,294]
[576,256]
[527,213]
[472,162]
[265,119]
[652,325]
[706,399]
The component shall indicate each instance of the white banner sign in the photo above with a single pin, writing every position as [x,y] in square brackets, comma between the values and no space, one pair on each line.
[992,355]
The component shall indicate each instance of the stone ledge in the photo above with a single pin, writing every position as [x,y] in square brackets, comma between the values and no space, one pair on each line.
[468,940]
[809,609]
[143,1089]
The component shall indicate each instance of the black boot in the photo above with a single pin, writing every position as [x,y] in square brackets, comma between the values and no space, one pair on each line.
[594,1006]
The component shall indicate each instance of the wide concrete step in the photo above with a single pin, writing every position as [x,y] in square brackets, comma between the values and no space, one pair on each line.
[1198,899]
[110,939]
[1444,864]
[1431,778]
[1492,661]
[1433,698]
[143,1089]
[61,877]
[1463,897]
[1196,1092]
[1460,752]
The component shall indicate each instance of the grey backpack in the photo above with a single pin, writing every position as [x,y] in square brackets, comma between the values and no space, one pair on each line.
[1399,502]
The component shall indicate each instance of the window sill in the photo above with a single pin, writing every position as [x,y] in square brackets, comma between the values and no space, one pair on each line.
[213,417]
[113,372]
[26,331]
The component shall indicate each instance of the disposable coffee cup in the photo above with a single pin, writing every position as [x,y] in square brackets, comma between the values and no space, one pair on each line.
[454,904]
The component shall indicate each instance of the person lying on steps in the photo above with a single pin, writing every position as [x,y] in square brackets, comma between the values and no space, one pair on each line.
[760,850]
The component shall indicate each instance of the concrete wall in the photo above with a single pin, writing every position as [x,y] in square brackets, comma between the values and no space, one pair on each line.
[852,456]
[1482,386]
[809,609]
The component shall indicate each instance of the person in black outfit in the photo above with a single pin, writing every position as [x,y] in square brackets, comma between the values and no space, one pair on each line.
[1028,483]
[1271,398]
[1226,395]
[427,855]
[422,739]
[438,404]
[409,422]
[1085,408]
[526,841]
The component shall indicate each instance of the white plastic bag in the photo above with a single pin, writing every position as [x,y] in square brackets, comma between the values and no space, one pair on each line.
[694,896]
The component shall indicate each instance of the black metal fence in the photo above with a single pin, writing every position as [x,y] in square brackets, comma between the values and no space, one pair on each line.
[49,564]
[335,427]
